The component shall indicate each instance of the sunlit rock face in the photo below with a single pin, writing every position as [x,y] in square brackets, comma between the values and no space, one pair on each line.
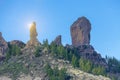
[80,32]
[33,32]
[3,46]
[33,37]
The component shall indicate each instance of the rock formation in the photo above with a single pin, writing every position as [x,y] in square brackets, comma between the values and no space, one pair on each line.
[17,43]
[88,52]
[3,46]
[33,42]
[33,36]
[33,32]
[57,40]
[80,32]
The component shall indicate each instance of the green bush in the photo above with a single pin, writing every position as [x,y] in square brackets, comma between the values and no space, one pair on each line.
[77,61]
[113,64]
[74,61]
[37,51]
[55,74]
[13,51]
[14,68]
[85,65]
[88,66]
[46,44]
[99,70]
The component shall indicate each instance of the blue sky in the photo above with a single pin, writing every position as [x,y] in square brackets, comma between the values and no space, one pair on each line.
[54,17]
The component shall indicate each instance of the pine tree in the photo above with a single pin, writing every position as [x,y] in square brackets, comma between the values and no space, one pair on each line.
[74,61]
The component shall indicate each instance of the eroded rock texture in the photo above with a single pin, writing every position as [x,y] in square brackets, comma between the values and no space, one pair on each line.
[33,42]
[17,43]
[33,32]
[33,36]
[3,46]
[80,32]
[57,40]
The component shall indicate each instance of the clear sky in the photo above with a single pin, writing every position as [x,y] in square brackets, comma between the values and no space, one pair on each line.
[54,17]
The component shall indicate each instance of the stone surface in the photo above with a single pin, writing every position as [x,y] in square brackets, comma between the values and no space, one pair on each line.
[80,75]
[57,40]
[3,46]
[17,43]
[80,32]
[33,36]
[5,78]
[88,52]
[33,42]
[33,31]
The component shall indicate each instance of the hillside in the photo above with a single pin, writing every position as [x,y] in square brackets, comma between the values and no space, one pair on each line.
[43,61]
[28,67]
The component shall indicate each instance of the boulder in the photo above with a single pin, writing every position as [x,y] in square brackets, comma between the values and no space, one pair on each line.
[57,40]
[80,32]
[3,46]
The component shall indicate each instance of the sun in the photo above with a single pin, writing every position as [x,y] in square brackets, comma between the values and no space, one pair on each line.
[29,25]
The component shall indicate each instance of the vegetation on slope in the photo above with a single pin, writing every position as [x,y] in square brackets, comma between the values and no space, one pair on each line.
[59,52]
[74,59]
[55,74]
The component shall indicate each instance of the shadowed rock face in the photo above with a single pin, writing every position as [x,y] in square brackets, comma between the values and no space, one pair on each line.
[17,43]
[3,46]
[80,32]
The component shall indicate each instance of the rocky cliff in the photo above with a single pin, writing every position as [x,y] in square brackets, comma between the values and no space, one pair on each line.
[80,35]
[3,46]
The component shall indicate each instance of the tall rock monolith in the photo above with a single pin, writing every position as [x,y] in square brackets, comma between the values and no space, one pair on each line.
[80,32]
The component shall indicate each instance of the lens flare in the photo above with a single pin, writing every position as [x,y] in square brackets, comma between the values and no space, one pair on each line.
[29,25]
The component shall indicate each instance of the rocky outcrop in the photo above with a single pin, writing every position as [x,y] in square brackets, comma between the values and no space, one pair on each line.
[33,42]
[88,52]
[80,32]
[57,40]
[17,43]
[3,46]
[33,36]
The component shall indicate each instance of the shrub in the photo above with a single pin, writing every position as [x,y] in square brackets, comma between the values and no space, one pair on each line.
[99,70]
[55,74]
[37,51]
[13,51]
[14,68]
